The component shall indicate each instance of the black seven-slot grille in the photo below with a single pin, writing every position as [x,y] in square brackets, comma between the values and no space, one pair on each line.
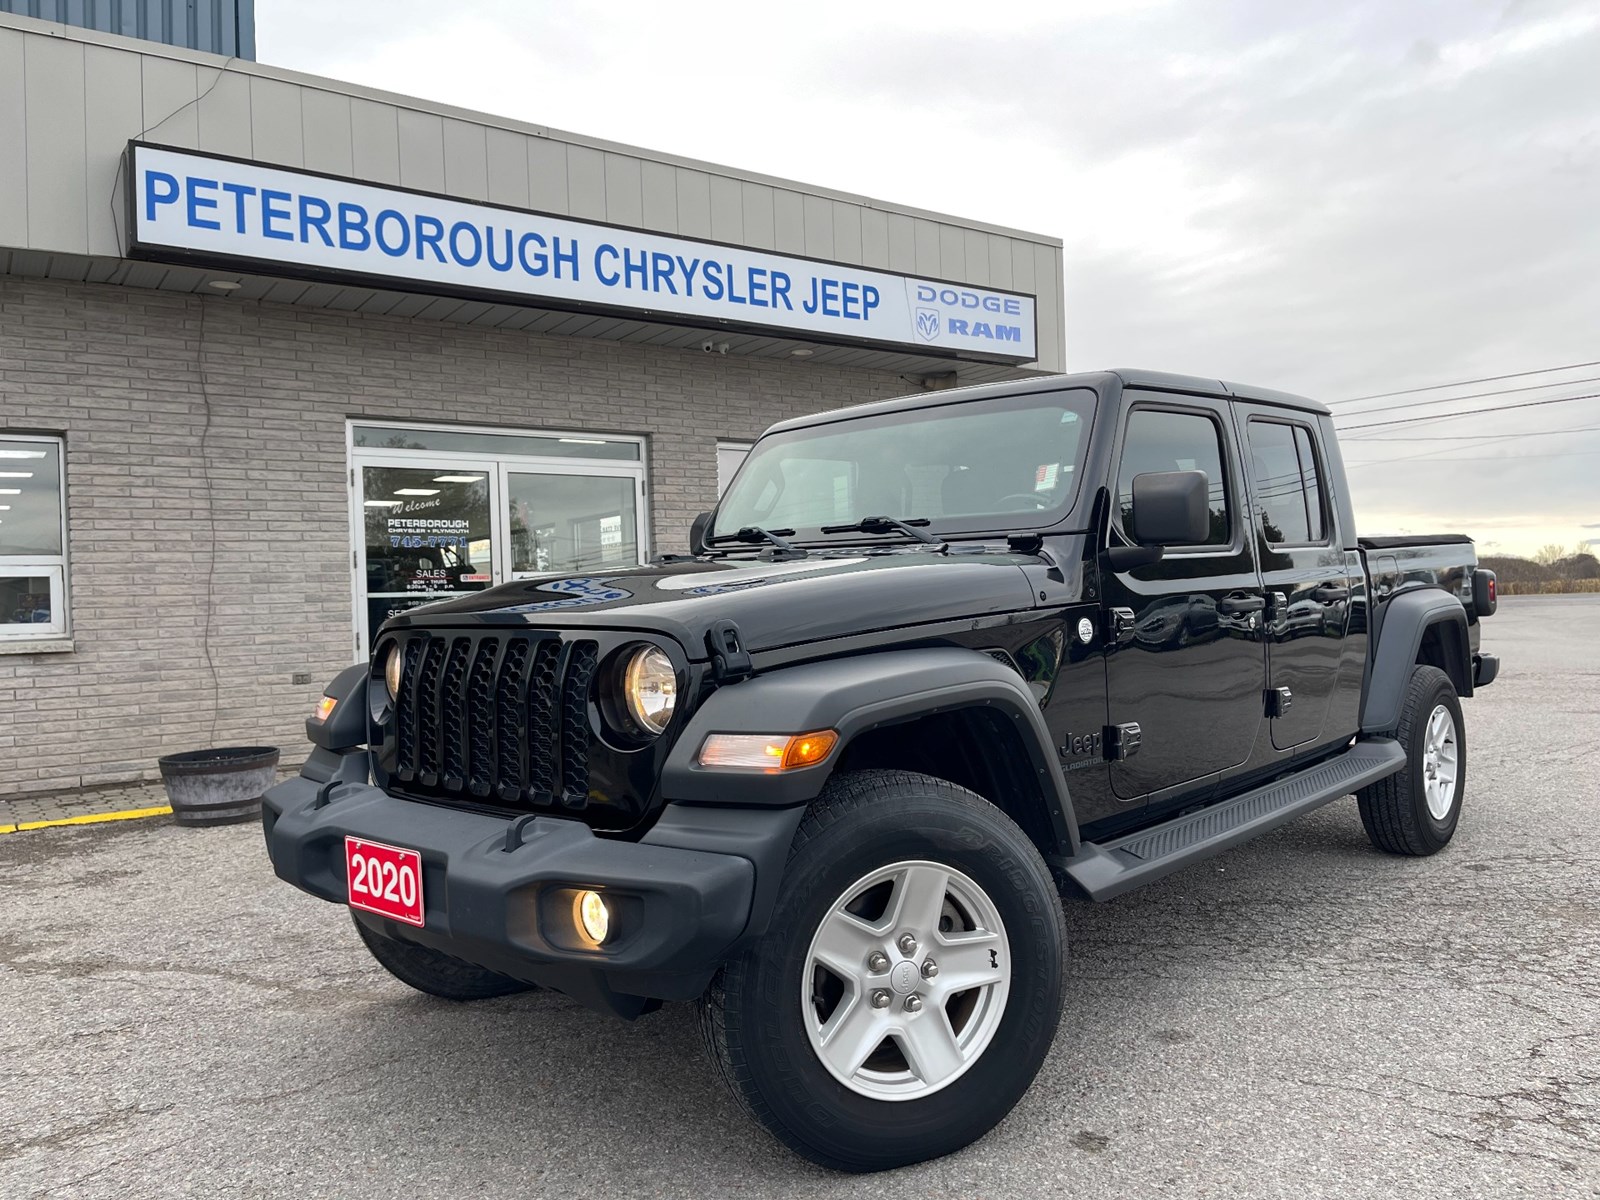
[501,718]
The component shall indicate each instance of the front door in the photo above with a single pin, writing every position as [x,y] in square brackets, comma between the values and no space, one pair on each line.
[1186,662]
[438,511]
[1302,569]
[566,519]
[427,534]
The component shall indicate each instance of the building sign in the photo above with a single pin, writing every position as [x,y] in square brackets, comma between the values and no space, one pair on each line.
[186,206]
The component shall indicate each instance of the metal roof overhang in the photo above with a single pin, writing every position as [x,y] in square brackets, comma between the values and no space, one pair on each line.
[119,272]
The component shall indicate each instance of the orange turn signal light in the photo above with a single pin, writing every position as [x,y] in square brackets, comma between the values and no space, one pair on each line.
[325,707]
[768,752]
[808,749]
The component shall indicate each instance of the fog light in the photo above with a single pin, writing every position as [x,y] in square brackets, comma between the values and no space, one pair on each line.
[594,916]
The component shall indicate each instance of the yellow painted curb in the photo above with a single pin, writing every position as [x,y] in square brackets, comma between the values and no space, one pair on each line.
[126,814]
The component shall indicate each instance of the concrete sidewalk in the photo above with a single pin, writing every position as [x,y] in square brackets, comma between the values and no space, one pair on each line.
[82,806]
[90,806]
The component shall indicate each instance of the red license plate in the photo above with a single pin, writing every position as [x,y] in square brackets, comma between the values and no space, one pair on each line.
[384,879]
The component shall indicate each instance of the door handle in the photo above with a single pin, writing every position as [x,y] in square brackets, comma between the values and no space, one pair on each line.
[1232,605]
[1327,595]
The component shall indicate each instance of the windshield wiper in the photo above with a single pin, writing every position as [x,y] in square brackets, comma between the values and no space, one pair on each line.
[754,534]
[889,525]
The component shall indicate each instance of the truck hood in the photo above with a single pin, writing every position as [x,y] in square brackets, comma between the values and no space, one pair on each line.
[784,603]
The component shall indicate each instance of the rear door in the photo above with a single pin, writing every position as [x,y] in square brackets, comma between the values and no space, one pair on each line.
[1303,570]
[1185,660]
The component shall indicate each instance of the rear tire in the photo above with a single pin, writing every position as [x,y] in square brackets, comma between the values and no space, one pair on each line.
[888,871]
[434,972]
[1415,811]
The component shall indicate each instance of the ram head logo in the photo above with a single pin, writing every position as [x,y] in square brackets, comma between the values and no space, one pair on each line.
[927,324]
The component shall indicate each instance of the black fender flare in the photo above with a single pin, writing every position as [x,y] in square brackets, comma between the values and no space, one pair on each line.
[1407,617]
[854,695]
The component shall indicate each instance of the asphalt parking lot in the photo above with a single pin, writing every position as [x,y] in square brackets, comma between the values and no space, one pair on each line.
[1301,1016]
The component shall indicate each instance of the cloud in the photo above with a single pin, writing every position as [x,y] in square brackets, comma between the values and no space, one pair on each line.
[1335,199]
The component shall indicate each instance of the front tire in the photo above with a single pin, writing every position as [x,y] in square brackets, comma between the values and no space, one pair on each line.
[836,1033]
[434,972]
[1415,811]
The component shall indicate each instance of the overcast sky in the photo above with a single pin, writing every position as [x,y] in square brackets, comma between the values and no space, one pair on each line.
[1333,199]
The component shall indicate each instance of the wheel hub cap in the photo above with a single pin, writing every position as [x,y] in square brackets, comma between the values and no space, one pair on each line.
[948,999]
[904,978]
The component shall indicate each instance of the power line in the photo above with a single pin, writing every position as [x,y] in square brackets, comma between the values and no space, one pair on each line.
[1379,412]
[1474,437]
[1501,458]
[1510,437]
[1473,413]
[1437,387]
[1535,387]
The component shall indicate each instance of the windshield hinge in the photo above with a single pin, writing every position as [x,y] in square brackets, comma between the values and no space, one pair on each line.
[729,659]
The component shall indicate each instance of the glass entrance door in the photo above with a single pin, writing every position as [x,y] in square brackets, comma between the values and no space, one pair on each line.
[564,519]
[428,534]
[440,512]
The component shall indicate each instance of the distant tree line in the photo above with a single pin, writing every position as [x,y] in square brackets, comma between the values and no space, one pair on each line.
[1551,569]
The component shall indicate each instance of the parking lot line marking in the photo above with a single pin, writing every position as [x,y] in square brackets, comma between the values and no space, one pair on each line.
[126,814]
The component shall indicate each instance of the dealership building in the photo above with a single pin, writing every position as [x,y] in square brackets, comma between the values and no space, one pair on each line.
[281,356]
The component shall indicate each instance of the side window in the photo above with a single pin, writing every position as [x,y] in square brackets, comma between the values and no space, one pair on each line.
[33,561]
[1157,440]
[1316,512]
[1288,491]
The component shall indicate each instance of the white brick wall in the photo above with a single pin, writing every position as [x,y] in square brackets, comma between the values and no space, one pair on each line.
[118,371]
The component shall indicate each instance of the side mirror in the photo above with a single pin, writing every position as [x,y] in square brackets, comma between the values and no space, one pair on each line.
[1171,508]
[697,533]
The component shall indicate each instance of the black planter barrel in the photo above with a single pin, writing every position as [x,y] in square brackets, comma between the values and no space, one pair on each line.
[218,787]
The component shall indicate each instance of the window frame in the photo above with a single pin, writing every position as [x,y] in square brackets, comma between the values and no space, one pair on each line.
[1231,475]
[729,444]
[53,567]
[1322,484]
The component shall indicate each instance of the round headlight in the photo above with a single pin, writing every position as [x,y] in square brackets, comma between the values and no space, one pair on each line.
[393,671]
[651,686]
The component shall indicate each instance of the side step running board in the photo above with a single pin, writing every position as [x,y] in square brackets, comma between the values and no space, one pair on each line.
[1108,869]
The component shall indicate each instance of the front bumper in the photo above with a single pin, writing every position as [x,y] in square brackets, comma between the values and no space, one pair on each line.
[678,911]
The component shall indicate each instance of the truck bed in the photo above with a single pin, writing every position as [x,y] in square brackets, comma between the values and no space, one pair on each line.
[1430,560]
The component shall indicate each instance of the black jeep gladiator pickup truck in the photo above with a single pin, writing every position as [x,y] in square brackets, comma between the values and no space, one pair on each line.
[931,664]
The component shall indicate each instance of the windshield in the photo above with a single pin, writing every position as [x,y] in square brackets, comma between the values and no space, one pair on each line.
[1010,462]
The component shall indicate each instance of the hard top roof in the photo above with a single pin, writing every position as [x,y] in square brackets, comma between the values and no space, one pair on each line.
[1161,381]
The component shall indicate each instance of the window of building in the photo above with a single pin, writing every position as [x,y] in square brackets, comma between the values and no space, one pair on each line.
[443,511]
[33,539]
[1288,490]
[730,457]
[494,442]
[1158,441]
